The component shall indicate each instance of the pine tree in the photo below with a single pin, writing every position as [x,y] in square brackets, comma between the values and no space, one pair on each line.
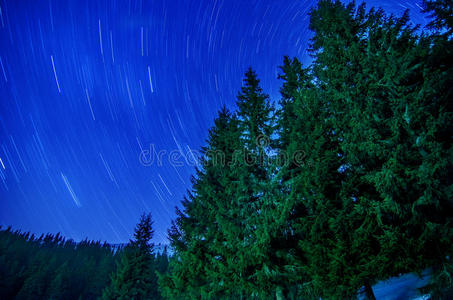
[223,239]
[309,182]
[254,111]
[143,234]
[303,140]
[133,278]
[259,206]
[199,235]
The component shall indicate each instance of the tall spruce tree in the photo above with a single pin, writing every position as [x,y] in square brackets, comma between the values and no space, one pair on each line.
[307,154]
[254,111]
[261,206]
[202,234]
[134,276]
[223,236]
[309,179]
[295,79]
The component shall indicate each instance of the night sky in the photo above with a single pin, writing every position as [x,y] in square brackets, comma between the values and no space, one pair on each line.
[90,89]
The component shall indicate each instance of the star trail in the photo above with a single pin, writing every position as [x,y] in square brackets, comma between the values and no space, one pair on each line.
[104,104]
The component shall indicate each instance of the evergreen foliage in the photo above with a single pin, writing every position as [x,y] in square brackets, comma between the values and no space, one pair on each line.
[50,267]
[208,221]
[134,277]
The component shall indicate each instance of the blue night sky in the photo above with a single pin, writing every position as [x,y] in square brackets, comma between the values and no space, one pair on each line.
[88,89]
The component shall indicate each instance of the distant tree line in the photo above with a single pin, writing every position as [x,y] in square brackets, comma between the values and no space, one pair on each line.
[50,267]
[136,273]
[367,193]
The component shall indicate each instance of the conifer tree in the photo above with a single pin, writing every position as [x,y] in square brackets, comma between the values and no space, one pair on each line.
[309,179]
[254,111]
[302,141]
[200,235]
[260,207]
[133,278]
[295,78]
